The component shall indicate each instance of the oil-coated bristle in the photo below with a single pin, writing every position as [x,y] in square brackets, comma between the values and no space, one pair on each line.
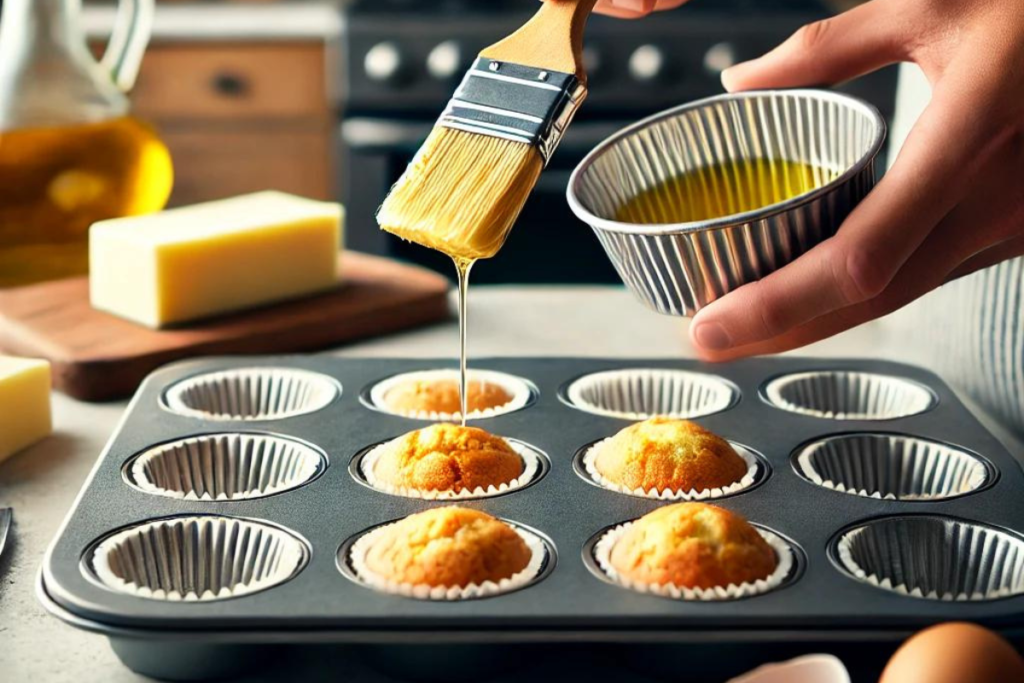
[462,193]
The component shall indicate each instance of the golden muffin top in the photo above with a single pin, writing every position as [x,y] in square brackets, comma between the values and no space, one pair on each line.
[442,396]
[665,453]
[447,457]
[448,546]
[693,545]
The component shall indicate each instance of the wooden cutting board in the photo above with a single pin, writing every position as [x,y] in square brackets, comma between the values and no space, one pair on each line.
[98,357]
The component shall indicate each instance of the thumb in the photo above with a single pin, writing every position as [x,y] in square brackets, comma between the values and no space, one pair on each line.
[831,51]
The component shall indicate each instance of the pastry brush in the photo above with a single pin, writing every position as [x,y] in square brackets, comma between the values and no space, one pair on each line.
[469,181]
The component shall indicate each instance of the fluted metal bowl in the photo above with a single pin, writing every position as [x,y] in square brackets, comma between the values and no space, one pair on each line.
[679,268]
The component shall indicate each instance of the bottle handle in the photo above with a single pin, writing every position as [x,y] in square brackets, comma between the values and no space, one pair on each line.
[132,27]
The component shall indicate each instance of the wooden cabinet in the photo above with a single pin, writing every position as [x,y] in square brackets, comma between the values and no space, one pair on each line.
[240,117]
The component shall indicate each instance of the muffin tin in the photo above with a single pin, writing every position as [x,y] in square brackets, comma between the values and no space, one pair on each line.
[218,549]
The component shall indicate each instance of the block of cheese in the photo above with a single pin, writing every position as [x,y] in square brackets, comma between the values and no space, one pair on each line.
[198,261]
[24,403]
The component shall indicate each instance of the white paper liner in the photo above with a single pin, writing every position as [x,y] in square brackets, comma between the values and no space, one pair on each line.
[783,552]
[642,393]
[517,388]
[531,468]
[220,467]
[357,561]
[935,558]
[891,467]
[199,558]
[842,395]
[590,465]
[252,394]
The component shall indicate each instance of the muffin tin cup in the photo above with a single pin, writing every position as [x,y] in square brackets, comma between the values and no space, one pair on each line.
[247,394]
[934,558]
[588,460]
[226,467]
[356,560]
[783,552]
[521,392]
[892,466]
[197,558]
[533,469]
[642,393]
[849,395]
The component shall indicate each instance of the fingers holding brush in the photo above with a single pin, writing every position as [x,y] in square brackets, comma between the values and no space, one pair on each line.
[634,9]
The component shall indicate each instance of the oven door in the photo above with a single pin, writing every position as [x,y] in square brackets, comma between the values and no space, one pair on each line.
[548,244]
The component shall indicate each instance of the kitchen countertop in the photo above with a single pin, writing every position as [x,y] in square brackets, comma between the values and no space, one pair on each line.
[41,483]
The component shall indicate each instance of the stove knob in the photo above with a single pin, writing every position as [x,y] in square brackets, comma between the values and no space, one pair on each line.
[592,62]
[719,57]
[647,64]
[445,61]
[383,63]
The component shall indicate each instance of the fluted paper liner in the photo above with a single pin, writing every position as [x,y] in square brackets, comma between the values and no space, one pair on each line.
[935,558]
[357,561]
[748,479]
[531,469]
[199,558]
[517,388]
[252,394]
[891,466]
[220,467]
[847,395]
[642,393]
[783,553]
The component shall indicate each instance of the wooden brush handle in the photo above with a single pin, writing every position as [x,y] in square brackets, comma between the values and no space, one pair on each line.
[552,39]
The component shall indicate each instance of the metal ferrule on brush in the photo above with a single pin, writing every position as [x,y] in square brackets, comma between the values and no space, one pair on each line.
[515,102]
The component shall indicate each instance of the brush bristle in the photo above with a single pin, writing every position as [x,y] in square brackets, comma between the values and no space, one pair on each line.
[462,193]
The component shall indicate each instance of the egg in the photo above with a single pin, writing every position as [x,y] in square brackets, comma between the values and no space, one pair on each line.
[955,653]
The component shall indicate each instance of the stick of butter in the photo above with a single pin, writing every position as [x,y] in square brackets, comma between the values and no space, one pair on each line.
[24,403]
[199,261]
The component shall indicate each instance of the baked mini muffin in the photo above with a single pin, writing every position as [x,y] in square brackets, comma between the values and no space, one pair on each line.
[692,545]
[442,396]
[447,457]
[448,546]
[664,453]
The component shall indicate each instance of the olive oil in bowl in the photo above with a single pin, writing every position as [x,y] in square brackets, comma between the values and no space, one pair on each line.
[723,189]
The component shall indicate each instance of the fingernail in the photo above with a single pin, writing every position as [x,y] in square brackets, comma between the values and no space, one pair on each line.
[712,336]
[631,5]
[724,76]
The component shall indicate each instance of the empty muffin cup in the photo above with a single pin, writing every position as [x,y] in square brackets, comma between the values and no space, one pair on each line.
[846,395]
[535,465]
[934,557]
[197,558]
[642,393]
[252,394]
[891,466]
[784,567]
[222,467]
[352,562]
[585,465]
[518,392]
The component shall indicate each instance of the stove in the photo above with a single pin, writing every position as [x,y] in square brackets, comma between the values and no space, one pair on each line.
[404,58]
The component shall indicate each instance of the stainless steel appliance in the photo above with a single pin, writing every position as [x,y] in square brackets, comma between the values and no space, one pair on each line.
[403,59]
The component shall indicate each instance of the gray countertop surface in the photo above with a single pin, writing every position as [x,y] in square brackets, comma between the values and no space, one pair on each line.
[41,482]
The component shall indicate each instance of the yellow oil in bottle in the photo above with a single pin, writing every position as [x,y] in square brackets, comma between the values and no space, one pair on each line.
[723,190]
[56,182]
